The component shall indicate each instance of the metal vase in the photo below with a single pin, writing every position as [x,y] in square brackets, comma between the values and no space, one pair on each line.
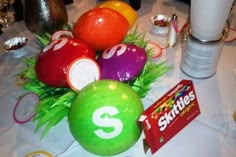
[42,16]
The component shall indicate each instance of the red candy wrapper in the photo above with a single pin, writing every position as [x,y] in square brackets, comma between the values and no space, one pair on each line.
[169,115]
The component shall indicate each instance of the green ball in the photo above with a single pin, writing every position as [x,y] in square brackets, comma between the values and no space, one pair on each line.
[103,117]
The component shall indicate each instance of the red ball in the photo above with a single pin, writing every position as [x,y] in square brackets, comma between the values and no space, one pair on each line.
[52,63]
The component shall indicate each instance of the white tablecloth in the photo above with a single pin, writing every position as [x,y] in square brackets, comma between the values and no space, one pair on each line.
[211,134]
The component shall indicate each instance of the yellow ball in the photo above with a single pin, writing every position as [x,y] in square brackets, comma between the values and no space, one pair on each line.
[123,8]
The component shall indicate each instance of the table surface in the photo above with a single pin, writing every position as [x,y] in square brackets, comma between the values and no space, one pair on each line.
[212,133]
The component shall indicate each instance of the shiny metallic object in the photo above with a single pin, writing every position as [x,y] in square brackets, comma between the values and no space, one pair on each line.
[15,46]
[42,16]
[160,30]
[15,43]
[200,57]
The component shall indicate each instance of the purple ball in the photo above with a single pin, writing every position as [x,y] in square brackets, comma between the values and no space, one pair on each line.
[122,62]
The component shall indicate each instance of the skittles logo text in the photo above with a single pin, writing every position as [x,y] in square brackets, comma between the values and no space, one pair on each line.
[180,101]
[56,44]
[118,50]
[102,117]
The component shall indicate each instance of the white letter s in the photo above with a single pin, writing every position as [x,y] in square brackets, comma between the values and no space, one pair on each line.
[162,123]
[107,122]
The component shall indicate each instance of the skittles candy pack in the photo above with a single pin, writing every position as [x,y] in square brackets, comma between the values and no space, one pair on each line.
[169,115]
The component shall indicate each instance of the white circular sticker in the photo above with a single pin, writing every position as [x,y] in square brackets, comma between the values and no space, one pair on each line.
[82,72]
[24,109]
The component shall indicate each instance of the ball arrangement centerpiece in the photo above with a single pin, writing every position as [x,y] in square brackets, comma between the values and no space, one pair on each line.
[103,117]
[102,112]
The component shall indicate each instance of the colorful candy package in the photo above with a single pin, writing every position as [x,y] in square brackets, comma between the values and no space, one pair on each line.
[169,115]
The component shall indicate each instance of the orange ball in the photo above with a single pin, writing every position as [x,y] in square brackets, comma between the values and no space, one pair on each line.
[101,28]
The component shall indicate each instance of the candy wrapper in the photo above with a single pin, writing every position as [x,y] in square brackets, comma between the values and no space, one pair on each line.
[169,115]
